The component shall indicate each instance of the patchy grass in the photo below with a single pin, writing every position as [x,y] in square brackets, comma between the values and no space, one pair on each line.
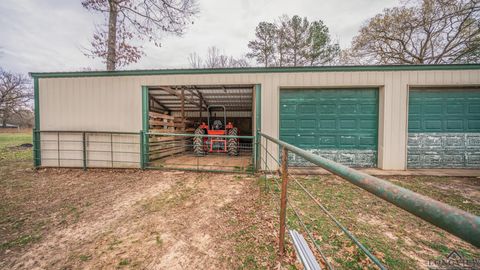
[11,150]
[124,262]
[397,238]
[177,196]
[85,257]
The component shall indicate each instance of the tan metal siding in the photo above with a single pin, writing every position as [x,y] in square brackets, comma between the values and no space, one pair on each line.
[114,103]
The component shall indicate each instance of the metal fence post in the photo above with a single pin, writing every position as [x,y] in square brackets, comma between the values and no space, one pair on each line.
[84,142]
[265,165]
[146,151]
[58,148]
[36,148]
[111,148]
[283,201]
[142,149]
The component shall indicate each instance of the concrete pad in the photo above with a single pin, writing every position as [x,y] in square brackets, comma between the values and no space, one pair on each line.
[219,161]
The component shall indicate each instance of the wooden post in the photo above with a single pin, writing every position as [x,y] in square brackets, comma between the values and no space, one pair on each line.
[200,108]
[283,200]
[183,110]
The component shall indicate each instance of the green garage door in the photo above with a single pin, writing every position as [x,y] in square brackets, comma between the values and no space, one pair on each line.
[338,124]
[444,128]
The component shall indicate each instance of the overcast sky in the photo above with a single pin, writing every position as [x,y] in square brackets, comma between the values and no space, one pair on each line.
[48,35]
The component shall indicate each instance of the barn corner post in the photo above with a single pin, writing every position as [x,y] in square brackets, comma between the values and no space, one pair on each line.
[36,130]
[144,158]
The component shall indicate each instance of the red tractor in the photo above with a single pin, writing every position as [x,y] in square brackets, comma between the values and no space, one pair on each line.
[203,145]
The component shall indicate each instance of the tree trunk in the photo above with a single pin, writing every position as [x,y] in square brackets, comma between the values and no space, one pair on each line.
[112,36]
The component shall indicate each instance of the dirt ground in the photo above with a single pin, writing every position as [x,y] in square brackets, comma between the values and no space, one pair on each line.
[133,219]
[70,219]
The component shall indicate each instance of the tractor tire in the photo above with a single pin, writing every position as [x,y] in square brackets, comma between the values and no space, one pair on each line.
[198,145]
[232,143]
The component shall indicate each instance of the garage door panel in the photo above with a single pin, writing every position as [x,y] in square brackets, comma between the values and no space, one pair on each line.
[474,108]
[326,108]
[368,124]
[454,125]
[289,108]
[288,124]
[453,109]
[444,128]
[327,141]
[369,109]
[347,124]
[343,123]
[327,124]
[306,109]
[308,124]
[473,124]
[347,109]
[432,125]
[289,139]
[367,142]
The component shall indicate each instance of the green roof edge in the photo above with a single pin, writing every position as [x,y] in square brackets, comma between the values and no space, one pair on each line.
[252,70]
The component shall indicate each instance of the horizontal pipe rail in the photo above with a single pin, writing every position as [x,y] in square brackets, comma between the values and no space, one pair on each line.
[92,132]
[453,220]
[199,135]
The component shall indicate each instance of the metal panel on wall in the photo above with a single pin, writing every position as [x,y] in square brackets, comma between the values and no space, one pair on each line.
[444,128]
[338,124]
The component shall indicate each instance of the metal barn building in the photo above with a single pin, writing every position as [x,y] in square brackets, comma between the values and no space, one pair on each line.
[388,117]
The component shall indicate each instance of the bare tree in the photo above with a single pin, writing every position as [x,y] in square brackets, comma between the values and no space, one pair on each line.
[15,95]
[281,47]
[135,19]
[238,62]
[422,32]
[216,59]
[195,60]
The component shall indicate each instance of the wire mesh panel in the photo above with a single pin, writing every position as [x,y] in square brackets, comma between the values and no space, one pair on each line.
[88,149]
[199,152]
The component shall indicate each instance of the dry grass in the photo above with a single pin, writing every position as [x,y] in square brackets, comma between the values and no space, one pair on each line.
[399,239]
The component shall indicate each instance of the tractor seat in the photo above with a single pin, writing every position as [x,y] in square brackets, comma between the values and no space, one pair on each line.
[217,125]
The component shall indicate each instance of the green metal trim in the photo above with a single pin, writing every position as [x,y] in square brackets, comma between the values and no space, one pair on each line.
[145,127]
[36,103]
[456,221]
[258,123]
[145,108]
[251,70]
[37,155]
[89,131]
